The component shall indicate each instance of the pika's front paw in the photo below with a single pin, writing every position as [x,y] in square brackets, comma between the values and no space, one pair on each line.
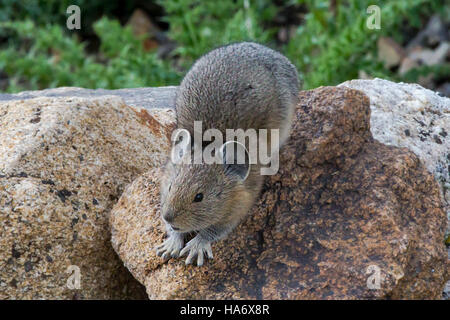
[171,247]
[197,247]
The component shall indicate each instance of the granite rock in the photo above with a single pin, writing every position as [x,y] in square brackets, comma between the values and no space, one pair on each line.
[408,115]
[147,98]
[345,217]
[64,162]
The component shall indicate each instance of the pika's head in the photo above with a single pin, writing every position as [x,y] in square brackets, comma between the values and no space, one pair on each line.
[196,196]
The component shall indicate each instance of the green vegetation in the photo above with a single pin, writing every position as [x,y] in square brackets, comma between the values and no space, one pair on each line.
[47,57]
[330,45]
[202,25]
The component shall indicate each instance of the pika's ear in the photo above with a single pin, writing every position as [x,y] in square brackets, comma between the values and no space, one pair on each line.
[236,159]
[181,144]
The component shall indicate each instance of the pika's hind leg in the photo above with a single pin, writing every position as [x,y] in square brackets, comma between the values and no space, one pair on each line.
[288,113]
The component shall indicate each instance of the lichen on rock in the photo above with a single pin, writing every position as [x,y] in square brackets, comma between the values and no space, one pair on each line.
[408,115]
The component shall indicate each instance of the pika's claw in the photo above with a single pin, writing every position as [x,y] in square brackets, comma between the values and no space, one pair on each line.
[197,247]
[171,246]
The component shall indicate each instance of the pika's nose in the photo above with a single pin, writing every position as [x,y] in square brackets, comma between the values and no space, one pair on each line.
[168,216]
[169,220]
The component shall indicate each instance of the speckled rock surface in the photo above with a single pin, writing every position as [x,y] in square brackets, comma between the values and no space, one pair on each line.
[64,162]
[342,208]
[148,98]
[408,115]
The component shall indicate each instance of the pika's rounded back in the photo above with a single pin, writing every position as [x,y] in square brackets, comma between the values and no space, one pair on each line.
[243,85]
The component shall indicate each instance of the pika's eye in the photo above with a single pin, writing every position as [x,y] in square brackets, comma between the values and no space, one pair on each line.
[198,197]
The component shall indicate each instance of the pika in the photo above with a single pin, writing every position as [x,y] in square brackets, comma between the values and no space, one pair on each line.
[238,86]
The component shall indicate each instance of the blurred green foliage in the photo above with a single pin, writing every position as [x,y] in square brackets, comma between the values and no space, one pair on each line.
[204,24]
[328,47]
[54,11]
[47,57]
[331,47]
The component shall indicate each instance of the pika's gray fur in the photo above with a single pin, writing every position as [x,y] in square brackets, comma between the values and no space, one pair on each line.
[239,86]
